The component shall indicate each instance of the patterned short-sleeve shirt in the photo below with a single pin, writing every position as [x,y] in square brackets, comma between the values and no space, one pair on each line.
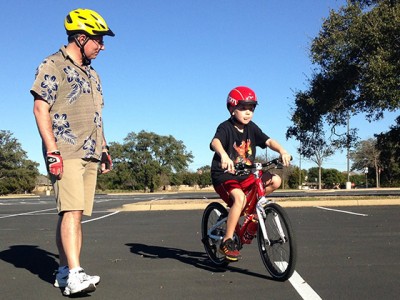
[75,97]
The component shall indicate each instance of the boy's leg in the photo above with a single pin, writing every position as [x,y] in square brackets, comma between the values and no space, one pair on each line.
[239,202]
[231,192]
[271,182]
[228,247]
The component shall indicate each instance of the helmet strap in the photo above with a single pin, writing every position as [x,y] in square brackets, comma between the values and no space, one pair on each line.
[85,61]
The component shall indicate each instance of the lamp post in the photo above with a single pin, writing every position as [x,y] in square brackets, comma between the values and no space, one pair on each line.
[348,183]
[366,172]
[300,183]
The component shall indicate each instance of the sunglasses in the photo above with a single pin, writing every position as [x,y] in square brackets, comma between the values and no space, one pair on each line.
[98,42]
[249,107]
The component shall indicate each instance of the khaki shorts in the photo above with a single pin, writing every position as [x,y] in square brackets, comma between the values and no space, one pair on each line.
[75,190]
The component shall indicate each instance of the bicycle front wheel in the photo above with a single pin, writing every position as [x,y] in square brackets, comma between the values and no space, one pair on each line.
[278,252]
[213,228]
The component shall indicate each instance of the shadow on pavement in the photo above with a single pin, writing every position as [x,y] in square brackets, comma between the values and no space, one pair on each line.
[30,257]
[197,259]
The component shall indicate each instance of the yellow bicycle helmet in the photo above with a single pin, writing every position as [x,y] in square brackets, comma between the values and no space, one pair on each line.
[86,21]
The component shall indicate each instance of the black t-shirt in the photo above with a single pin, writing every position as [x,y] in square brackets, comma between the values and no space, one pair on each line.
[240,146]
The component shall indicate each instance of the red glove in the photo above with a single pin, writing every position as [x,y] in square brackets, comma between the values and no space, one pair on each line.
[54,163]
[106,162]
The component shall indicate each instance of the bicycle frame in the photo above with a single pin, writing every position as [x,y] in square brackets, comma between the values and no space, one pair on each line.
[262,202]
[261,217]
[256,201]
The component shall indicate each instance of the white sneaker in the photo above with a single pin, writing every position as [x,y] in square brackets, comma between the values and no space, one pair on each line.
[92,279]
[62,277]
[79,283]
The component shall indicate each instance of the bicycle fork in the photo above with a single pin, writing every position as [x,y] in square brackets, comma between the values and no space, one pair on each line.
[261,204]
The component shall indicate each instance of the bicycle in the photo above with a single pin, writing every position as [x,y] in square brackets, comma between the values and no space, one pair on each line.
[275,236]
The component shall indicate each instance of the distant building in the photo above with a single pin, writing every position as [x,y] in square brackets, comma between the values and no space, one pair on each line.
[43,185]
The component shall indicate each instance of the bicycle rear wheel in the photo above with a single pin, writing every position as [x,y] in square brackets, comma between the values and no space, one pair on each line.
[213,228]
[280,254]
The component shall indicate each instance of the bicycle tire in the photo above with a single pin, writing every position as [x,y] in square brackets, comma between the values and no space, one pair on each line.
[212,214]
[280,256]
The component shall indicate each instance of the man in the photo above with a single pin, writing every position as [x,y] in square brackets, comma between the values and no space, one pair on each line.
[68,106]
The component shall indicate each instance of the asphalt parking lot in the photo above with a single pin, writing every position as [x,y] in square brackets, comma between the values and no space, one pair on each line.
[343,253]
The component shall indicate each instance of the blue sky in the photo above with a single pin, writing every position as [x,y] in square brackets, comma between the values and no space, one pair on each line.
[171,65]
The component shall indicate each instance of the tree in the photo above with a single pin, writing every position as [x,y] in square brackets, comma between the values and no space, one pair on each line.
[147,160]
[204,176]
[366,158]
[333,178]
[357,59]
[17,173]
[313,147]
[296,176]
[389,148]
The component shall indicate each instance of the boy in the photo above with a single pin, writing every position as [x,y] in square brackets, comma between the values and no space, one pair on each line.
[235,142]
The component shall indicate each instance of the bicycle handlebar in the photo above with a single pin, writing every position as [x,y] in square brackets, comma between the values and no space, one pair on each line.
[277,162]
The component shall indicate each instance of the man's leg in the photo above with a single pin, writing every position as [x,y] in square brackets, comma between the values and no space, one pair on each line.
[71,238]
[70,194]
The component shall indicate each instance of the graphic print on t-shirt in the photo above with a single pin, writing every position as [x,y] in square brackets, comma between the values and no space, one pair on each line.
[243,151]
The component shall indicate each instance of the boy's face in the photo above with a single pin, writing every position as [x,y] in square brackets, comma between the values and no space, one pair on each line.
[244,113]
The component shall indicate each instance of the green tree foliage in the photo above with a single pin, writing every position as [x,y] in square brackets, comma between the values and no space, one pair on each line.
[331,178]
[389,148]
[358,180]
[17,173]
[296,178]
[357,58]
[204,179]
[365,158]
[145,161]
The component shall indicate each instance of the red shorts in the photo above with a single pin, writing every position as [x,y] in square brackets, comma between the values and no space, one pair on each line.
[225,188]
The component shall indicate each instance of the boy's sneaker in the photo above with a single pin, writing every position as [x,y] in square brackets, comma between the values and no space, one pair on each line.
[228,248]
[62,277]
[80,282]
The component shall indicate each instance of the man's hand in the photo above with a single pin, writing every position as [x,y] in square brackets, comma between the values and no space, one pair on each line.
[54,163]
[106,162]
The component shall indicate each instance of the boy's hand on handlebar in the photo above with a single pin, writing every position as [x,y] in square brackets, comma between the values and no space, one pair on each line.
[227,163]
[286,158]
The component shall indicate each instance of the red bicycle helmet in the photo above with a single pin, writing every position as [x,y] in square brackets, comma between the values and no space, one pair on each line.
[241,94]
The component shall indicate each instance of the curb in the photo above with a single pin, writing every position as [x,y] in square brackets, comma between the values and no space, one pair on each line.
[157,205]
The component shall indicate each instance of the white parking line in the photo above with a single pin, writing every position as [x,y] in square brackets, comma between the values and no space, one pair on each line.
[27,213]
[40,211]
[302,287]
[342,211]
[102,217]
